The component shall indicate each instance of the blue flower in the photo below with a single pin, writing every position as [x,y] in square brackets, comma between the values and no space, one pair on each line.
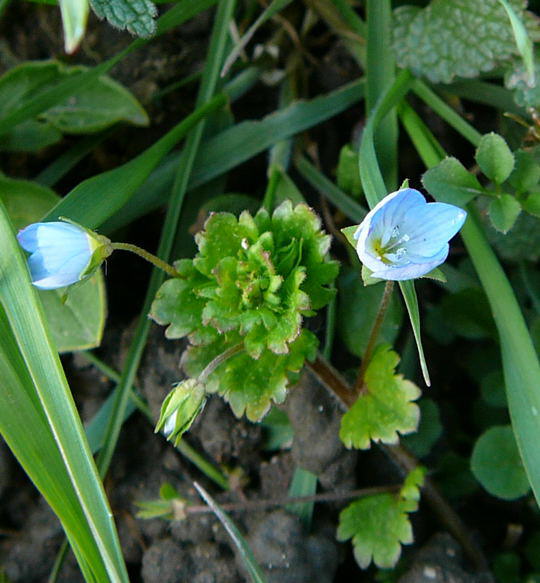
[62,253]
[404,237]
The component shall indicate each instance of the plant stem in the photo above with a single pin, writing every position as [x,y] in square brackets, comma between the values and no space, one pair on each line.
[153,259]
[220,358]
[377,323]
[332,380]
[262,504]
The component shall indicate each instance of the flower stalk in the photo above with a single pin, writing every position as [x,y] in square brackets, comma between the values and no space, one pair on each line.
[153,259]
[372,342]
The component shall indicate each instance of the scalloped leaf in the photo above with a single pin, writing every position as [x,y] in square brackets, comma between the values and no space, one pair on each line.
[380,524]
[136,16]
[250,386]
[385,408]
[454,38]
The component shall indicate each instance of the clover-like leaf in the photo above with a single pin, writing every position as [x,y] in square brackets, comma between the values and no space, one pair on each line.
[450,182]
[379,524]
[454,38]
[503,212]
[250,385]
[136,16]
[384,408]
[495,157]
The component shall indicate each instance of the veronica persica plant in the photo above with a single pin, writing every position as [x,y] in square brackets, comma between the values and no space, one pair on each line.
[405,237]
[62,253]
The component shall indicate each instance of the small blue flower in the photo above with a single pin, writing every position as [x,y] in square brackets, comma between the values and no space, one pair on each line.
[62,253]
[404,237]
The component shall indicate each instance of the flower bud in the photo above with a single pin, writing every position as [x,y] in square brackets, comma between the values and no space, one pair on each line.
[62,253]
[180,408]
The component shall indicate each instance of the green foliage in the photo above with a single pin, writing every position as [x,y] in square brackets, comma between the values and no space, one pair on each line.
[435,42]
[136,16]
[495,157]
[504,210]
[526,174]
[522,242]
[517,78]
[384,408]
[379,524]
[252,281]
[497,465]
[450,182]
[91,109]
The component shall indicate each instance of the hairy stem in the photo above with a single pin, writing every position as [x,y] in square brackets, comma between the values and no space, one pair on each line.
[374,335]
[153,259]
[284,501]
[220,358]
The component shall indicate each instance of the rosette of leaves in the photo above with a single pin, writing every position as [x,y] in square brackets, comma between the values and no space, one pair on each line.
[252,282]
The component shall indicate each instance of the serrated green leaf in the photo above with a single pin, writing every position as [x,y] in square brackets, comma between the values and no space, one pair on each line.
[503,212]
[450,182]
[494,157]
[410,491]
[77,321]
[250,385]
[497,465]
[136,16]
[97,106]
[454,38]
[385,406]
[258,276]
[378,526]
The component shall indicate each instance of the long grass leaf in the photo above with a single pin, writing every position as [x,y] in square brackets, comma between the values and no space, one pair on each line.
[53,402]
[234,146]
[255,572]
[520,360]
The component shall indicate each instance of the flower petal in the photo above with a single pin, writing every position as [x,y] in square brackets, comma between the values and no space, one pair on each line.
[412,270]
[430,227]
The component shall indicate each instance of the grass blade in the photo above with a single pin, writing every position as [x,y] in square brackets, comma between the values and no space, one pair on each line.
[45,405]
[255,572]
[520,360]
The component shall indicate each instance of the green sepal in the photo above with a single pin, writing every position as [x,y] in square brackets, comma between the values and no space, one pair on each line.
[180,408]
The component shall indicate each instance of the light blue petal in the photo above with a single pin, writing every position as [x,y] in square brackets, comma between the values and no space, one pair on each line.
[412,270]
[38,235]
[429,228]
[67,270]
[393,209]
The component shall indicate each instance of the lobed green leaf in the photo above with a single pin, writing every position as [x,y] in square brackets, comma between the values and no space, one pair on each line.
[384,408]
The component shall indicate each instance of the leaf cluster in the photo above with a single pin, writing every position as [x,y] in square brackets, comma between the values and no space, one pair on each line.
[252,281]
[512,177]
